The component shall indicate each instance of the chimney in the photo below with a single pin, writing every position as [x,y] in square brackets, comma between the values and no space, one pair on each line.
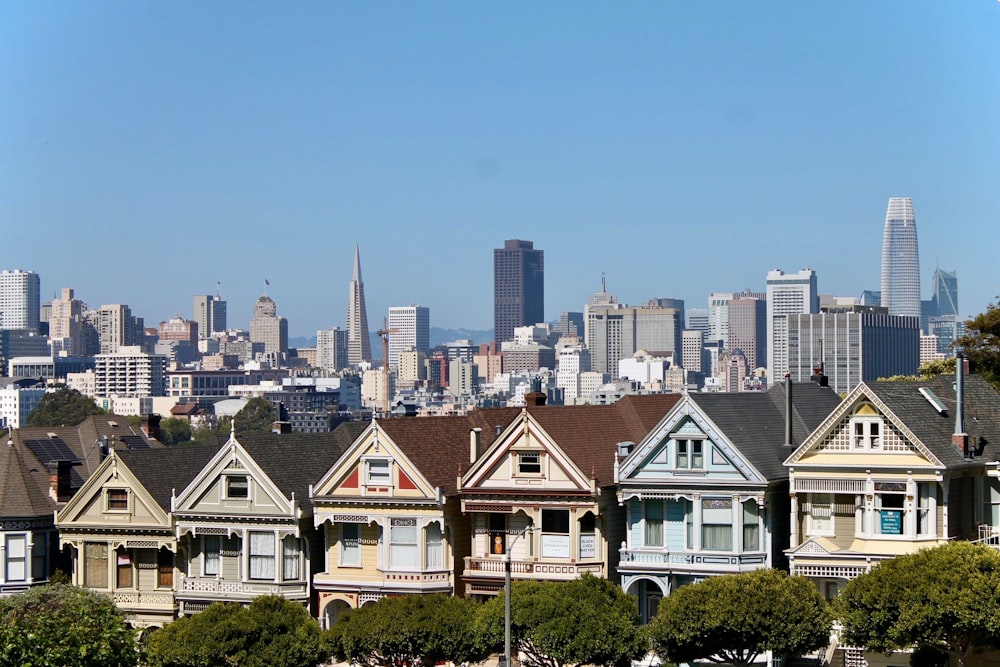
[59,478]
[282,424]
[151,426]
[788,410]
[475,436]
[534,398]
[960,438]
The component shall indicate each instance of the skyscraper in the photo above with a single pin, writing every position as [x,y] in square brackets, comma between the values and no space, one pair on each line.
[20,300]
[944,293]
[787,294]
[413,329]
[748,327]
[267,328]
[900,259]
[518,287]
[359,346]
[210,314]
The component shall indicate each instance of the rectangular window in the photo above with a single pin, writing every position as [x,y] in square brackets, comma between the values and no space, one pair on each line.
[118,500]
[435,546]
[820,519]
[751,526]
[690,454]
[555,534]
[39,557]
[529,463]
[654,523]
[290,558]
[237,486]
[350,544]
[498,534]
[682,454]
[889,513]
[17,558]
[165,568]
[379,472]
[95,565]
[717,524]
[262,555]
[123,558]
[211,547]
[925,508]
[403,545]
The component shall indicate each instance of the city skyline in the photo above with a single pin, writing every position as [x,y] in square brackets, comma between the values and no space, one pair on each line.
[152,152]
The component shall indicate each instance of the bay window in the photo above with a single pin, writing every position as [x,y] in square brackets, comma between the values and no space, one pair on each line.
[95,564]
[350,544]
[717,524]
[404,549]
[654,523]
[434,545]
[211,546]
[290,558]
[555,534]
[262,547]
[16,568]
[751,526]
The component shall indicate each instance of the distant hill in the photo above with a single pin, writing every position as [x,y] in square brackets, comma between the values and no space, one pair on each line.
[439,336]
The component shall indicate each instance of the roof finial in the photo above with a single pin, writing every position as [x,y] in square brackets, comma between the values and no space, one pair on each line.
[232,429]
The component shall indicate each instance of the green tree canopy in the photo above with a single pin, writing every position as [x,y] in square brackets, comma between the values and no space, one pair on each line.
[945,598]
[735,618]
[257,416]
[58,624]
[63,407]
[408,630]
[271,632]
[981,344]
[587,621]
[175,431]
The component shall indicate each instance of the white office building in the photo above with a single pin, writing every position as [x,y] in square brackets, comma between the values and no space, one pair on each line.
[130,372]
[17,402]
[412,326]
[20,303]
[787,294]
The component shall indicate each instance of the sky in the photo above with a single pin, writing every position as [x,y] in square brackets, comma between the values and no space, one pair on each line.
[152,150]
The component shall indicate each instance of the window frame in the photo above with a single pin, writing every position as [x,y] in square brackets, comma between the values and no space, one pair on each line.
[262,559]
[866,441]
[403,544]
[717,524]
[690,454]
[377,480]
[24,559]
[207,551]
[815,524]
[117,496]
[524,466]
[350,554]
[233,483]
[291,557]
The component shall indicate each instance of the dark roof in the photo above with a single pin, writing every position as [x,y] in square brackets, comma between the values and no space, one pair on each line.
[294,461]
[24,484]
[981,407]
[165,471]
[755,421]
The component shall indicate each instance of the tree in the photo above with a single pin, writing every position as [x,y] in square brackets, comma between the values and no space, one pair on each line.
[271,632]
[945,598]
[174,431]
[926,371]
[58,624]
[408,630]
[257,416]
[735,618]
[588,620]
[981,344]
[63,407]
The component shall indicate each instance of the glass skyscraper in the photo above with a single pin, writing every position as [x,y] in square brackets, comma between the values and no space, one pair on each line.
[900,259]
[518,287]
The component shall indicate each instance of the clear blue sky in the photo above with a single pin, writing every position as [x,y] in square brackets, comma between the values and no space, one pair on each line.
[149,150]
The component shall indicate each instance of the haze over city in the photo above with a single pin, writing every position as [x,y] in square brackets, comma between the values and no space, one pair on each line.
[150,151]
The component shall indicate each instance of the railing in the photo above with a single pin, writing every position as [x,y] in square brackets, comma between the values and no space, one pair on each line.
[213,587]
[494,567]
[144,600]
[418,579]
[632,559]
[989,535]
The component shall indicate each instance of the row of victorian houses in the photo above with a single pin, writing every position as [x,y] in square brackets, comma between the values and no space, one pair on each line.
[652,492]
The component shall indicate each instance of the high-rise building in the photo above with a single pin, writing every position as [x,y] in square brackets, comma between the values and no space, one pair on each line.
[20,300]
[616,332]
[748,327]
[129,372]
[944,293]
[697,319]
[787,294]
[693,350]
[518,287]
[66,322]
[413,330]
[900,259]
[267,328]
[116,327]
[210,314]
[855,345]
[331,349]
[359,346]
[718,317]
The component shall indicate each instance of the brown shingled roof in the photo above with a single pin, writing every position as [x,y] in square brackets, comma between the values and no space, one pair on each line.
[24,484]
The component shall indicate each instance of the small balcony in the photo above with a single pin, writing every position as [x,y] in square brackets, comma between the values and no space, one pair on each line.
[989,535]
[144,600]
[215,588]
[659,560]
[552,570]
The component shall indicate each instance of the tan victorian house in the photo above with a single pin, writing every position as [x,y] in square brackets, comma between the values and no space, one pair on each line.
[389,510]
[544,492]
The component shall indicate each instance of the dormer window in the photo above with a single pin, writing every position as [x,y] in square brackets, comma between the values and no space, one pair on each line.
[866,433]
[690,454]
[529,463]
[237,486]
[379,472]
[117,500]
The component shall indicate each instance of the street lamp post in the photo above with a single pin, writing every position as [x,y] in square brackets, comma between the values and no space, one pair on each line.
[506,594]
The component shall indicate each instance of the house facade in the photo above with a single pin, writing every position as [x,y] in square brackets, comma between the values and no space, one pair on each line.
[705,492]
[543,493]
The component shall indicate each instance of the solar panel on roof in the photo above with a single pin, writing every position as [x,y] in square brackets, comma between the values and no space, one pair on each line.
[135,442]
[51,449]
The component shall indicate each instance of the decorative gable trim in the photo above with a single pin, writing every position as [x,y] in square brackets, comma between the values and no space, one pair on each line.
[112,470]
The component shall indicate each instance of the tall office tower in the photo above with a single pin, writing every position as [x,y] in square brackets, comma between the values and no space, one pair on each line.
[748,327]
[210,314]
[359,346]
[570,324]
[693,350]
[787,294]
[331,349]
[518,287]
[117,327]
[413,329]
[857,344]
[944,293]
[616,332]
[20,300]
[668,302]
[697,319]
[66,322]
[267,328]
[900,259]
[718,317]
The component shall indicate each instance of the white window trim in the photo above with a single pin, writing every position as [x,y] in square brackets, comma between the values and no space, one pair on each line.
[517,463]
[866,422]
[227,480]
[117,510]
[811,527]
[343,546]
[368,472]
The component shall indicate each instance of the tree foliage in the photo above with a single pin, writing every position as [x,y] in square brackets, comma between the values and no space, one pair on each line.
[981,344]
[735,618]
[257,416]
[271,632]
[584,621]
[63,407]
[175,431]
[408,630]
[946,598]
[58,624]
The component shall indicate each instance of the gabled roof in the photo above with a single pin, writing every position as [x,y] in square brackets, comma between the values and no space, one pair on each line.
[934,429]
[166,470]
[754,422]
[24,484]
